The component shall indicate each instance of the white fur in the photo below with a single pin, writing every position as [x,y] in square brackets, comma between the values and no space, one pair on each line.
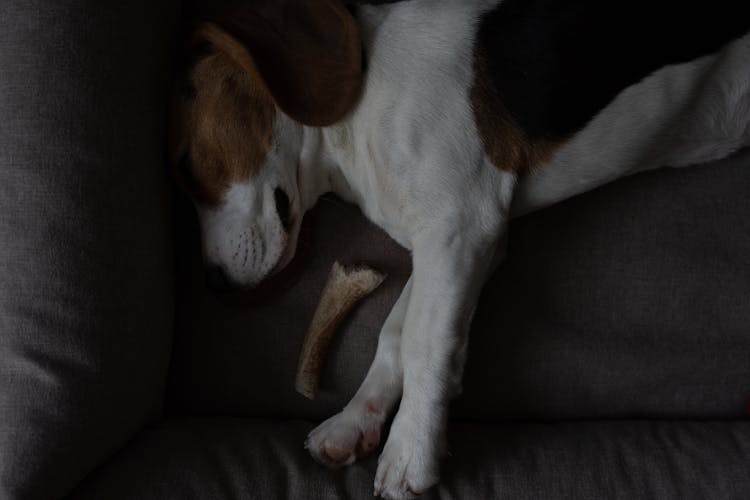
[411,158]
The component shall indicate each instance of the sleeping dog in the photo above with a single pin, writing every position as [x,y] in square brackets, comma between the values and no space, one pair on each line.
[441,120]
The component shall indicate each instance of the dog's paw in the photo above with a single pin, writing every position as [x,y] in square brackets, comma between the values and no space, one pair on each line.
[344,438]
[408,466]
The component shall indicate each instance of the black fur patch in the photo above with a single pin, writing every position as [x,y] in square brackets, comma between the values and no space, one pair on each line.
[557,63]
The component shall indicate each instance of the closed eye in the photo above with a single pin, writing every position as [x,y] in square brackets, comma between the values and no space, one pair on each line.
[282,207]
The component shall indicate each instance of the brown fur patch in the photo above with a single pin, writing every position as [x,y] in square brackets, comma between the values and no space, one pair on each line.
[229,122]
[505,142]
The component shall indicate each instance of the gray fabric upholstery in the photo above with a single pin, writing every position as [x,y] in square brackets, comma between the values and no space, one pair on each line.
[86,267]
[217,458]
[630,301]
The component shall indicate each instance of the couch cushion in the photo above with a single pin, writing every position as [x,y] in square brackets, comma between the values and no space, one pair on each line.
[234,458]
[631,300]
[86,266]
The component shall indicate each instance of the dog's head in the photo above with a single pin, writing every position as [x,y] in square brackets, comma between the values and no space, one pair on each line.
[252,81]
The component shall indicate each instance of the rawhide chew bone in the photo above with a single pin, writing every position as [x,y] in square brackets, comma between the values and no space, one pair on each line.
[345,287]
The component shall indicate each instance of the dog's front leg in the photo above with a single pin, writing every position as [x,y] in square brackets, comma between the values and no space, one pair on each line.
[355,431]
[450,268]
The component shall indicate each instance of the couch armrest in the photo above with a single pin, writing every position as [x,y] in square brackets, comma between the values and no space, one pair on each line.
[86,288]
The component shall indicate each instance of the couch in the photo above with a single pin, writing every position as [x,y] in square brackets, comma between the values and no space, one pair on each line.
[609,356]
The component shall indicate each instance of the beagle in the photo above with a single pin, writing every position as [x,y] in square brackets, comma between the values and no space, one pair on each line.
[441,120]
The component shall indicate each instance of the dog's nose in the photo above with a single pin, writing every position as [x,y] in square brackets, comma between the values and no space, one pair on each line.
[217,280]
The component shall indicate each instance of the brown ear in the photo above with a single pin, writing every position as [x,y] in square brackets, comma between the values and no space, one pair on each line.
[308,52]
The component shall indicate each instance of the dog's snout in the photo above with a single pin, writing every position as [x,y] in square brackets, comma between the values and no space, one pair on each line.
[217,280]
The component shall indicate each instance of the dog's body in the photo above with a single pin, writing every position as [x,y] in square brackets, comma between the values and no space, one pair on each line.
[433,154]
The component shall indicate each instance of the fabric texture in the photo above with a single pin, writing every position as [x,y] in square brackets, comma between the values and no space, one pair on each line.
[222,458]
[626,302]
[86,262]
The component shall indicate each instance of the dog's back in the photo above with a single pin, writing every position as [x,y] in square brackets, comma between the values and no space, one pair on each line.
[562,89]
